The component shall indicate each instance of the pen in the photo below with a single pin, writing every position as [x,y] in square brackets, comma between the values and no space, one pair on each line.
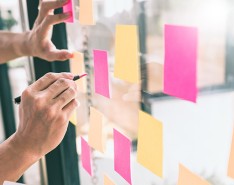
[77,77]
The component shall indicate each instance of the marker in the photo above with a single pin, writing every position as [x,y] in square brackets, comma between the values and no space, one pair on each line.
[77,77]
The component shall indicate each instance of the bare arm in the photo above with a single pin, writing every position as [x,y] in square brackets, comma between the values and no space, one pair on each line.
[12,45]
[44,111]
[36,42]
[14,160]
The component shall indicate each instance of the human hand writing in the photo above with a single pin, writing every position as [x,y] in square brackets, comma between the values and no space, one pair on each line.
[44,111]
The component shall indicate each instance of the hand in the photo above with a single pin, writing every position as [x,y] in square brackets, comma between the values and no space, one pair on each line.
[44,112]
[39,38]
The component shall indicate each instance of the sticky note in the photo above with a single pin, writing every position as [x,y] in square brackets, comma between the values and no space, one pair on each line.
[231,160]
[150,143]
[96,135]
[73,118]
[122,150]
[86,156]
[127,53]
[180,68]
[69,8]
[108,181]
[86,15]
[77,67]
[101,73]
[11,183]
[186,177]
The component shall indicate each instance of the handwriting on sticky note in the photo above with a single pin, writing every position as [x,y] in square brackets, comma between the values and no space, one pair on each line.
[101,73]
[11,183]
[78,68]
[86,156]
[96,134]
[127,53]
[187,177]
[180,68]
[231,160]
[108,181]
[150,143]
[122,150]
[86,16]
[69,8]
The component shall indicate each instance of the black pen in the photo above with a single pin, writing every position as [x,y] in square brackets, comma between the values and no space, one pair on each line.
[77,77]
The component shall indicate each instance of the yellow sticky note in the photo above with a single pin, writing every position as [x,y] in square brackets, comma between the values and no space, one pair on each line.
[78,68]
[231,160]
[96,137]
[86,15]
[186,177]
[73,118]
[150,143]
[127,53]
[108,181]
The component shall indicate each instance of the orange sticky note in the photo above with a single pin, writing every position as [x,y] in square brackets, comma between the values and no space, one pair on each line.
[96,136]
[150,143]
[186,177]
[73,118]
[108,181]
[77,67]
[86,16]
[127,53]
[231,160]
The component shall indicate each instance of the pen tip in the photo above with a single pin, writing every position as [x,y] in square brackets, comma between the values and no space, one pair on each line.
[83,75]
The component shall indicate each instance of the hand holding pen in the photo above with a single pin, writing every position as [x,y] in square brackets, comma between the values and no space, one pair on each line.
[77,77]
[44,113]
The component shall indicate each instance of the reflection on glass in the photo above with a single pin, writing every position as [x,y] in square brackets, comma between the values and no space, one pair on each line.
[211,19]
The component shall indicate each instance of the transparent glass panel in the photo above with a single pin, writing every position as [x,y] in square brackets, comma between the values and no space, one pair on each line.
[194,134]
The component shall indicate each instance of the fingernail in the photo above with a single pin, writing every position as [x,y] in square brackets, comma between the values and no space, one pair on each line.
[67,14]
[70,75]
[77,103]
[69,55]
[64,1]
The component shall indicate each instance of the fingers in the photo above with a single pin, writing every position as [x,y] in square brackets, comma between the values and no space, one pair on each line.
[51,20]
[58,87]
[66,97]
[69,108]
[47,7]
[60,55]
[48,79]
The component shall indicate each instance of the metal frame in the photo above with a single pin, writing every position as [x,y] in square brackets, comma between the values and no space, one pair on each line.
[61,163]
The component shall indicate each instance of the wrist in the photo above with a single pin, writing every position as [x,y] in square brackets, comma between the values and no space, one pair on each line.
[15,159]
[20,146]
[23,47]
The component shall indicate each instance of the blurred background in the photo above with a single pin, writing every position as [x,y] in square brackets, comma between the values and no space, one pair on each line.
[196,135]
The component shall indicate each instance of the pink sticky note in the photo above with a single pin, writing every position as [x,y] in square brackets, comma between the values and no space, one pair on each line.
[101,73]
[69,8]
[180,68]
[86,156]
[122,150]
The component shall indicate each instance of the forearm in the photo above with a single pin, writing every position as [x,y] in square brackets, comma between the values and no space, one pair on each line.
[14,159]
[13,45]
